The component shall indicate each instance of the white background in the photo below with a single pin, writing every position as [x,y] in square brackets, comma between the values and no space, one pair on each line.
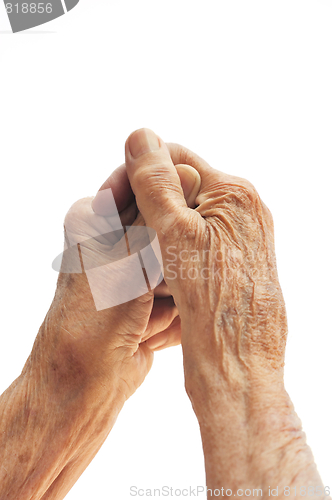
[246,85]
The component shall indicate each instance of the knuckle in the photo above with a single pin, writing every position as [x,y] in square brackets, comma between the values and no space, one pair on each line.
[235,187]
[77,212]
[248,188]
[245,194]
[239,193]
[268,214]
[156,177]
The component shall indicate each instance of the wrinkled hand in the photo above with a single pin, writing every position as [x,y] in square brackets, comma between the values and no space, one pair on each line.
[111,341]
[219,261]
[220,267]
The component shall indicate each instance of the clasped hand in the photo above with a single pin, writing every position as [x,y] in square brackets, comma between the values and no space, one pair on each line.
[220,298]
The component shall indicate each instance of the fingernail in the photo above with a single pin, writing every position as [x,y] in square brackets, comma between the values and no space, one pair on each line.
[190,182]
[143,141]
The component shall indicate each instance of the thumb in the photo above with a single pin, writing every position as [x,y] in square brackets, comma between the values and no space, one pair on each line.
[154,181]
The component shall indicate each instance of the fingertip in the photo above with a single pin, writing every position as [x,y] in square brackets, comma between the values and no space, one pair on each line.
[116,189]
[167,338]
[157,341]
[154,179]
[103,203]
[141,142]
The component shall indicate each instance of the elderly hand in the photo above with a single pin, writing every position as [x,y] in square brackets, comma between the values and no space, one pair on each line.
[88,357]
[219,260]
[112,338]
[220,266]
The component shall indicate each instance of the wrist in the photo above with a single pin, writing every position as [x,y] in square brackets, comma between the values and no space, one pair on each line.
[219,360]
[251,434]
[65,361]
[55,370]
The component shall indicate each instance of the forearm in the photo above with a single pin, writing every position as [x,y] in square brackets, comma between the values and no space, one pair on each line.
[250,450]
[251,435]
[49,432]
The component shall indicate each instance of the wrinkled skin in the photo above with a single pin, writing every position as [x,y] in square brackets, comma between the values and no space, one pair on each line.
[85,363]
[114,337]
[225,265]
[220,267]
[233,232]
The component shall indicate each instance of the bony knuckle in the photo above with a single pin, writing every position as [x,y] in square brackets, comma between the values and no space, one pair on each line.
[240,194]
[248,188]
[78,212]
[267,213]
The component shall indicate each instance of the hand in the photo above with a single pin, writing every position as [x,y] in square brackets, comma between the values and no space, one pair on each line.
[88,358]
[112,340]
[220,266]
[219,259]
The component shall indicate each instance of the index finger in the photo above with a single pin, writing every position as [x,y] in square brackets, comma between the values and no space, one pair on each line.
[123,195]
